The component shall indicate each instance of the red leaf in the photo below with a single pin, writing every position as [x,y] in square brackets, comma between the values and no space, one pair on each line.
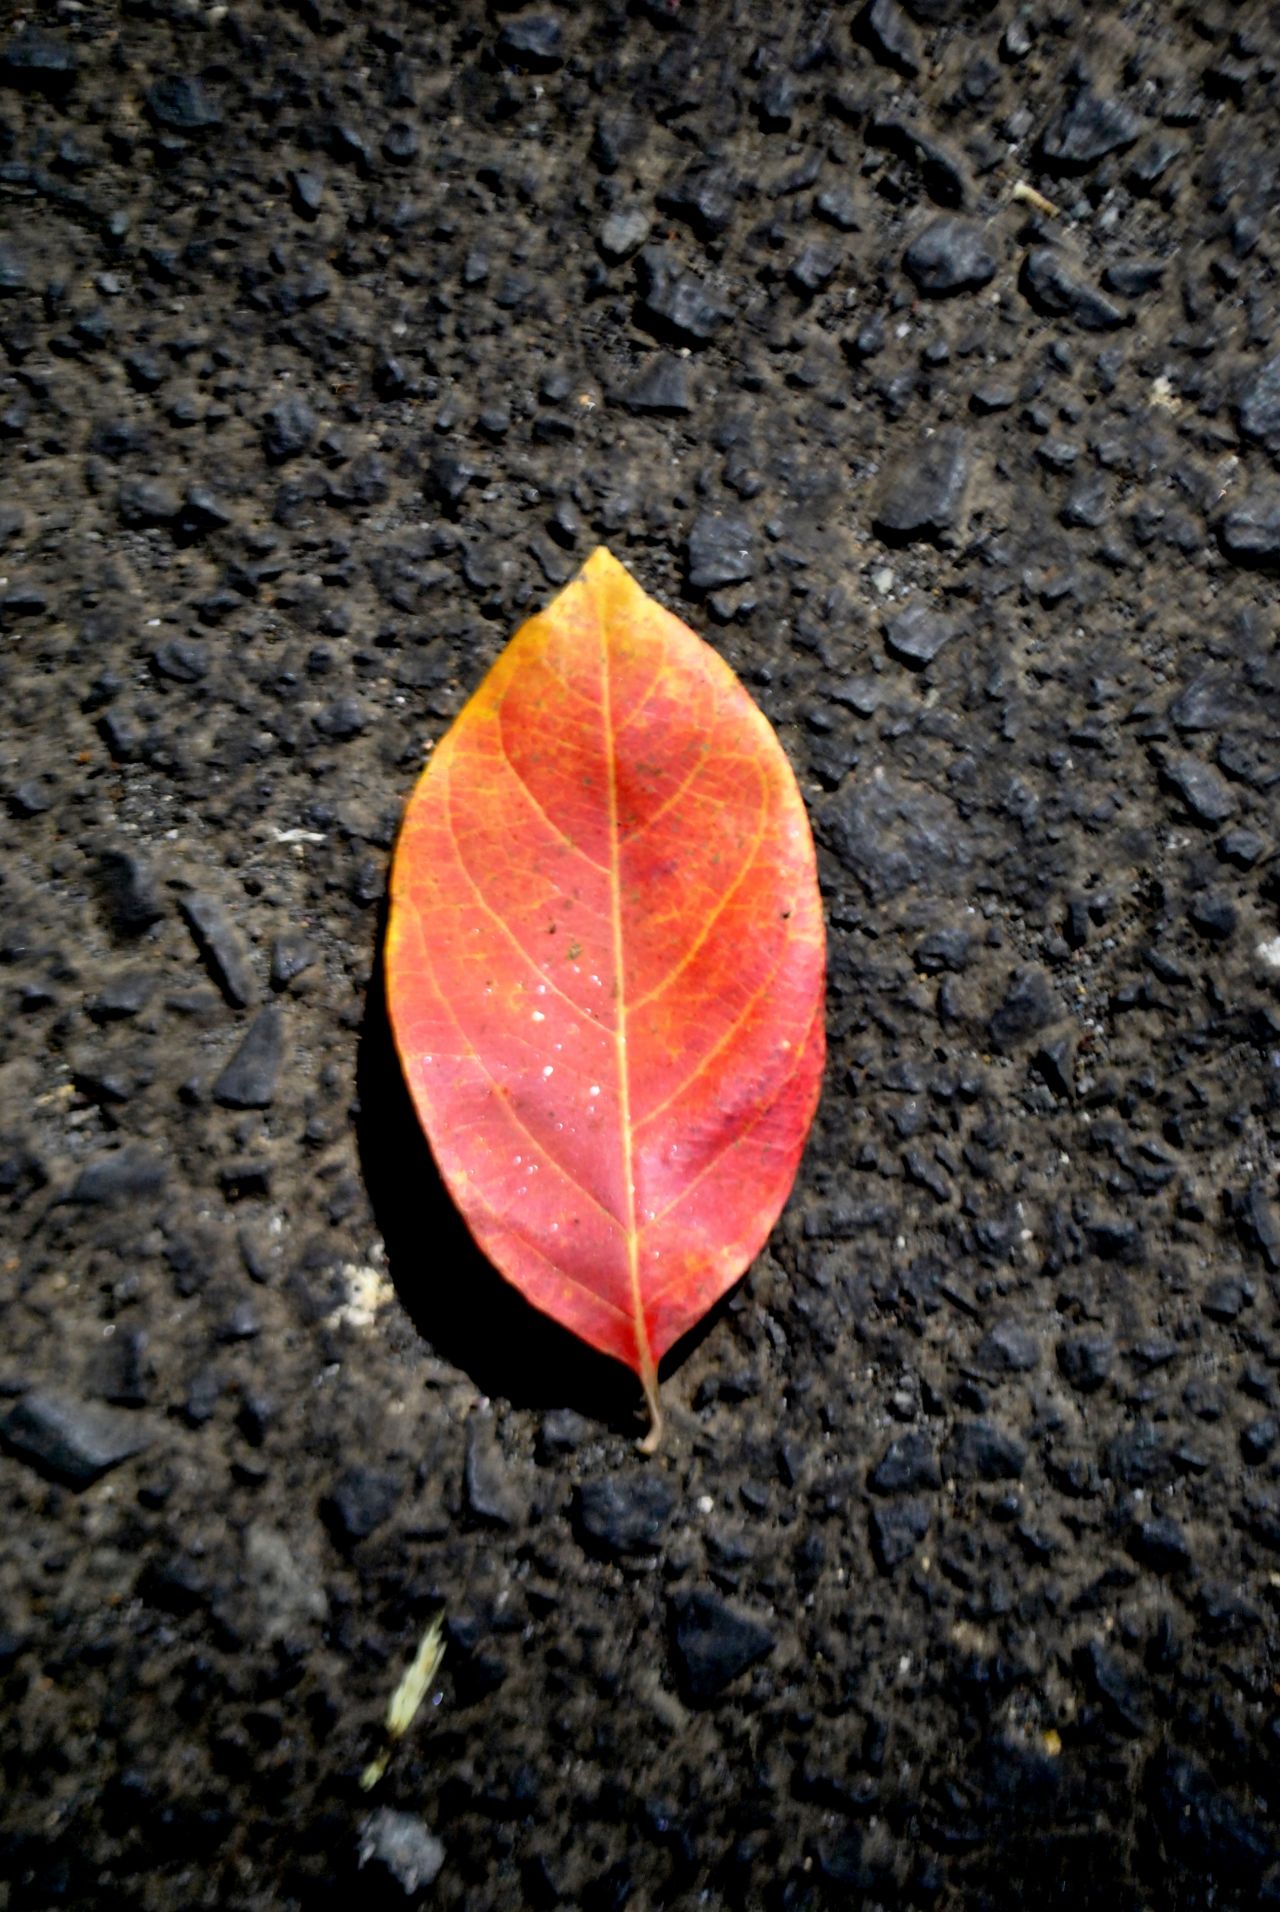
[605,968]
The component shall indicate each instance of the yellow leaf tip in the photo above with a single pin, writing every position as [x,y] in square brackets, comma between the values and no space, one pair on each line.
[602,564]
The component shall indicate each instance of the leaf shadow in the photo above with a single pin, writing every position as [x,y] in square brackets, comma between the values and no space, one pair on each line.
[455,1297]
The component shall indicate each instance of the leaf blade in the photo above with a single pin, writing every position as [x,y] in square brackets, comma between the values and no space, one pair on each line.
[605,966]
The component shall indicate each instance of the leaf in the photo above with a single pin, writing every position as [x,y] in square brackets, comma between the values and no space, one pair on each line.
[605,969]
[412,1689]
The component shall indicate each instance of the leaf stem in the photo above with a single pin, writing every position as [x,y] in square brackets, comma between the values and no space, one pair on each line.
[650,1442]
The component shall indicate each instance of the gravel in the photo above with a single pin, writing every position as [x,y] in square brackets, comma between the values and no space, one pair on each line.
[1251,528]
[249,1079]
[950,255]
[662,387]
[1055,286]
[923,493]
[720,552]
[221,947]
[625,1514]
[1085,129]
[400,1846]
[892,37]
[74,1441]
[714,1642]
[333,339]
[916,634]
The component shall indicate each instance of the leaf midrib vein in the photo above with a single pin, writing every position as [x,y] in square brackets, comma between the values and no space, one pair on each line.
[644,1353]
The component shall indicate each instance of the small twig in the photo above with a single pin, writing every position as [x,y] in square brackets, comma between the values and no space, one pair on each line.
[1030,197]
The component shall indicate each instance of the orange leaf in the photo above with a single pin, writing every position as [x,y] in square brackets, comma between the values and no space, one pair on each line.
[605,968]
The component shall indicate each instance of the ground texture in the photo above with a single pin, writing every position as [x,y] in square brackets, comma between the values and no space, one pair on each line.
[926,357]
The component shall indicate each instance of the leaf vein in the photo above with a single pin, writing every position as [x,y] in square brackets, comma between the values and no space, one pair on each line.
[722,1041]
[489,910]
[503,1094]
[714,917]
[542,811]
[740,1136]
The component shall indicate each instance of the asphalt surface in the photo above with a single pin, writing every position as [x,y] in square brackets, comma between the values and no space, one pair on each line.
[926,358]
